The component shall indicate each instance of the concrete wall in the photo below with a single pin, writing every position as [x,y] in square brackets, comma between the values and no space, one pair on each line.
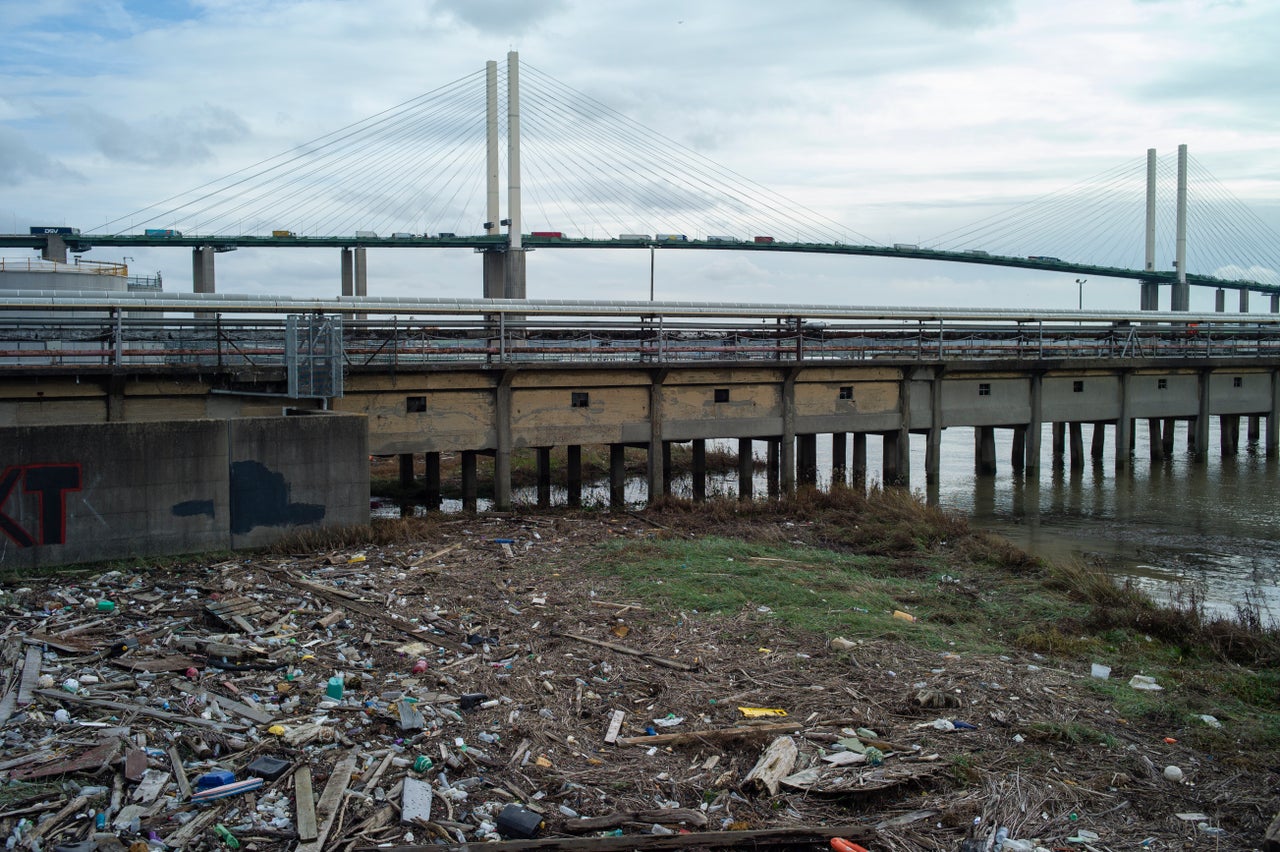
[89,492]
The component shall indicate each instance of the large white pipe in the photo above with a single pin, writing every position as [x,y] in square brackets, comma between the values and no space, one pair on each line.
[491,147]
[513,146]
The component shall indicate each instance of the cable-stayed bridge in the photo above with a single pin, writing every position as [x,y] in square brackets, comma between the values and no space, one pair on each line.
[426,174]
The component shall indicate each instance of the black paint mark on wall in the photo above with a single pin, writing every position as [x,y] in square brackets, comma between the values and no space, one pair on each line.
[191,508]
[260,498]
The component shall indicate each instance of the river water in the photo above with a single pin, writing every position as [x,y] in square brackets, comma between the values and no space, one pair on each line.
[1174,527]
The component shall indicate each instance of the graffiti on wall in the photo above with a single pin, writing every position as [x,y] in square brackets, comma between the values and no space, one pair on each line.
[47,485]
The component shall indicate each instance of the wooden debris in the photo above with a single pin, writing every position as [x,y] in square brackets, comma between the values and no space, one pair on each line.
[415,807]
[331,800]
[661,816]
[179,774]
[141,709]
[719,735]
[784,838]
[92,761]
[615,726]
[634,652]
[30,676]
[304,804]
[32,838]
[773,766]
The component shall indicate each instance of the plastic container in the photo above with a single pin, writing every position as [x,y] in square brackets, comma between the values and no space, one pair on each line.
[215,778]
[334,688]
[422,763]
[903,616]
[518,822]
[420,667]
[1100,671]
[106,606]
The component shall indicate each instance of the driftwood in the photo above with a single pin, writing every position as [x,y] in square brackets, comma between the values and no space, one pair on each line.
[634,652]
[713,736]
[332,801]
[774,765]
[787,838]
[666,816]
[140,709]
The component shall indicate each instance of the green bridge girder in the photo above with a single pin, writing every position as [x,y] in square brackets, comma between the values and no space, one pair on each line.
[83,242]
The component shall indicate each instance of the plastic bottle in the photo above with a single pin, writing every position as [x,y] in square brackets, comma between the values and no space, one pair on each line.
[106,606]
[334,689]
[1002,834]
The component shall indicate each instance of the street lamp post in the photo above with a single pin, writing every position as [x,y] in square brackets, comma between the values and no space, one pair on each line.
[1080,293]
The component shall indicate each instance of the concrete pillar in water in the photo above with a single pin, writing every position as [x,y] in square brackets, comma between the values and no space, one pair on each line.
[1099,445]
[807,459]
[468,480]
[984,450]
[772,466]
[1229,433]
[1077,445]
[1200,452]
[933,442]
[1219,300]
[1255,429]
[1166,438]
[431,479]
[1273,416]
[859,470]
[406,469]
[1153,439]
[617,476]
[1244,301]
[1018,456]
[658,473]
[1124,426]
[1035,427]
[699,469]
[544,476]
[573,474]
[890,472]
[347,273]
[746,469]
[668,473]
[1059,442]
[839,453]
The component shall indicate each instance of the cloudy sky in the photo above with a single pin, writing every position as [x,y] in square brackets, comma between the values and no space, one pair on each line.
[901,119]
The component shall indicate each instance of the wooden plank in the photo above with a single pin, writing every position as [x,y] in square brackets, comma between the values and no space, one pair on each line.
[718,735]
[135,763]
[304,804]
[30,675]
[331,800]
[662,816]
[774,765]
[153,783]
[32,838]
[91,760]
[239,708]
[179,774]
[615,726]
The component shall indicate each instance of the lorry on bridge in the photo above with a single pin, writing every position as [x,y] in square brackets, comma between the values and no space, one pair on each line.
[59,230]
[161,232]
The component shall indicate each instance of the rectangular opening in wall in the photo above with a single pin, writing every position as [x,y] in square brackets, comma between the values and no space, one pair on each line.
[1162,384]
[846,392]
[579,399]
[984,389]
[1077,387]
[415,404]
[722,394]
[1237,382]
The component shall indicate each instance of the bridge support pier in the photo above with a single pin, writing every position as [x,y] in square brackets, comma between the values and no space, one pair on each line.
[1018,454]
[202,277]
[839,451]
[617,476]
[1076,432]
[1098,447]
[1154,445]
[1244,301]
[772,467]
[1275,303]
[55,249]
[1254,428]
[1035,428]
[1220,300]
[1059,442]
[1229,434]
[468,480]
[1199,440]
[1273,416]
[746,470]
[1149,296]
[984,450]
[699,470]
[788,445]
[892,469]
[573,475]
[1166,439]
[859,472]
[658,458]
[544,476]
[807,460]
[431,479]
[667,470]
[406,469]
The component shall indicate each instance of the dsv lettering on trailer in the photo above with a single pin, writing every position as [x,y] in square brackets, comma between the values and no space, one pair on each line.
[49,484]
